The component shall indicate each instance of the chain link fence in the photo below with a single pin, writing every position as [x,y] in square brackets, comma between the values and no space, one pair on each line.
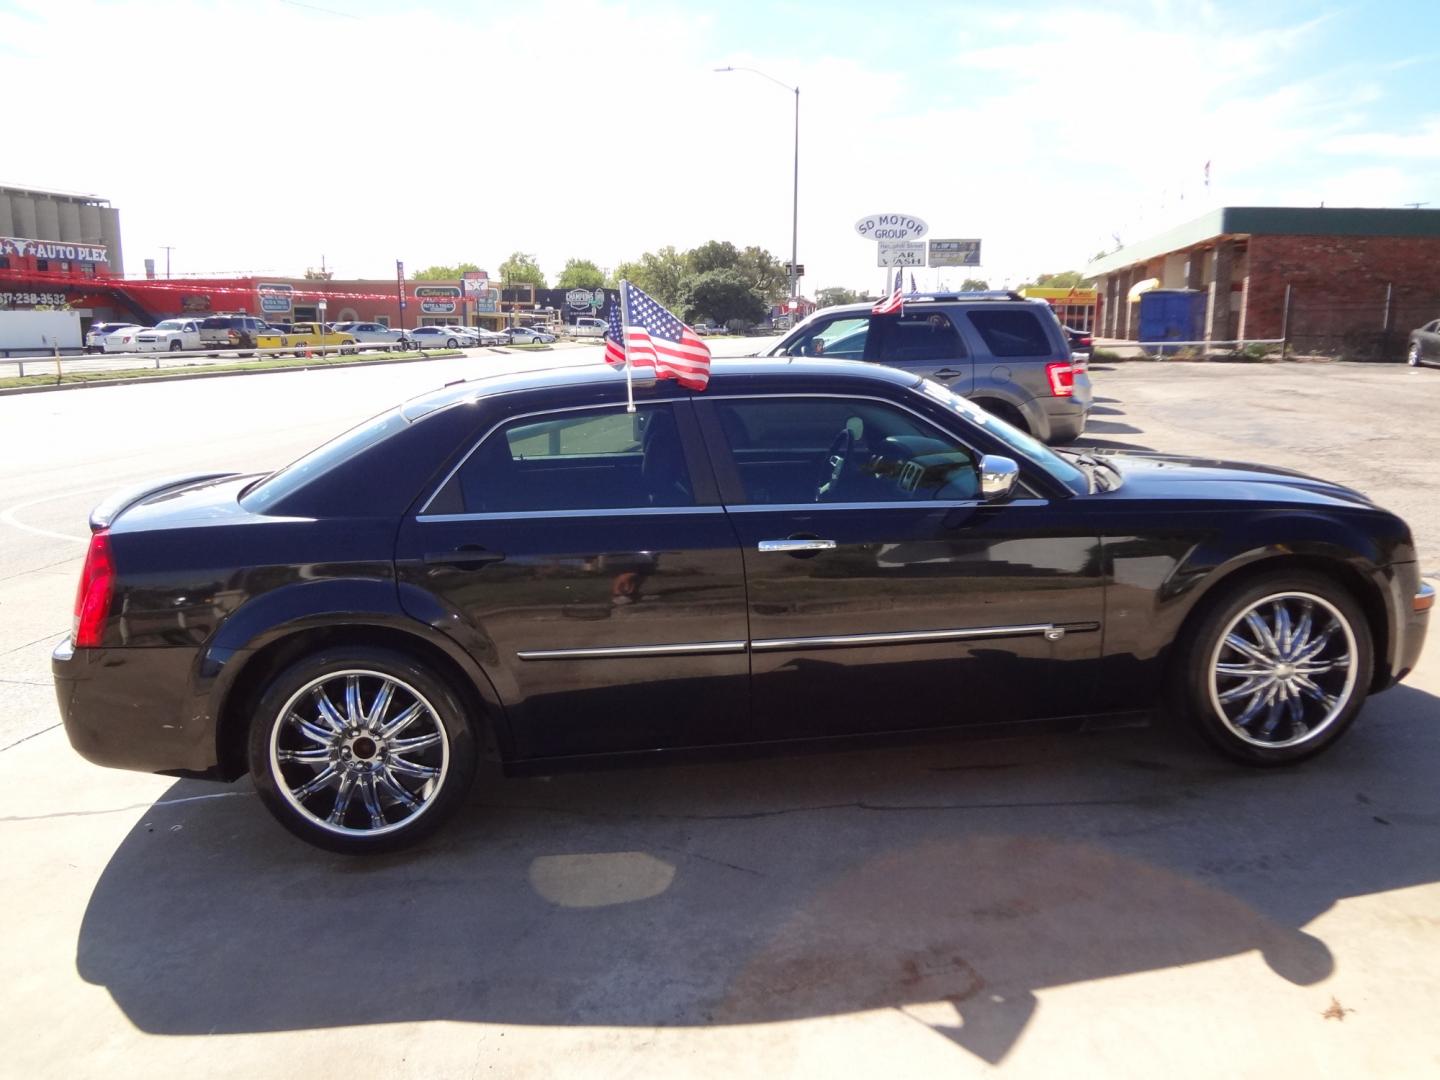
[1372,323]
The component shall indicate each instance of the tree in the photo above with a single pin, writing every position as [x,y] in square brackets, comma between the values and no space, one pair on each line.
[626,271]
[974,284]
[663,274]
[713,255]
[580,274]
[521,269]
[444,273]
[764,273]
[721,295]
[835,296]
[1065,279]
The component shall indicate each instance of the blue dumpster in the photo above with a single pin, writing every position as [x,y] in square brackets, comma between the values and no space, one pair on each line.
[1172,315]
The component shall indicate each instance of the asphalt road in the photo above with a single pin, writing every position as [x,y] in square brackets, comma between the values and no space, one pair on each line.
[1120,902]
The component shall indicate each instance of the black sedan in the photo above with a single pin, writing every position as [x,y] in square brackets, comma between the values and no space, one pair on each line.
[808,549]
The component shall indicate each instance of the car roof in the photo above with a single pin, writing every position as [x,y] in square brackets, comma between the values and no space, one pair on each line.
[755,373]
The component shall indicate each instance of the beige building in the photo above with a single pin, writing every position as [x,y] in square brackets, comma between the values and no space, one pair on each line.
[32,220]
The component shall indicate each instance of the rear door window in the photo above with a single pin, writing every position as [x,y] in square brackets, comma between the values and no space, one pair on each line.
[1012,332]
[916,338]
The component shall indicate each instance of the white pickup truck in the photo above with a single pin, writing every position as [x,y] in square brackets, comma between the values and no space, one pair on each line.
[172,335]
[586,327]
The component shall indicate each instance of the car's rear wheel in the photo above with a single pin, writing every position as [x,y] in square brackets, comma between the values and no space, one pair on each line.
[1277,668]
[450,343]
[1413,356]
[1003,410]
[361,749]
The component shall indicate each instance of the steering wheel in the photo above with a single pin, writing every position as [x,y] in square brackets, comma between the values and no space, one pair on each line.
[836,460]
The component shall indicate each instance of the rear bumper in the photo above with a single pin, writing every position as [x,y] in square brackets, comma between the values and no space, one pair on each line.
[134,708]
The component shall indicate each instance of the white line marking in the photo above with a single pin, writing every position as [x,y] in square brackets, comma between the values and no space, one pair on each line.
[7,517]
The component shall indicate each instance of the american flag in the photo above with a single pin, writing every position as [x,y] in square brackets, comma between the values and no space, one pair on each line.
[893,304]
[654,338]
[914,291]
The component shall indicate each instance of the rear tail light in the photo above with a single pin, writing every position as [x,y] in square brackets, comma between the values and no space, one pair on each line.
[1062,378]
[92,599]
[1086,341]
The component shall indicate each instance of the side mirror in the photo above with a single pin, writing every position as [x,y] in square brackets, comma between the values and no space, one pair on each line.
[997,477]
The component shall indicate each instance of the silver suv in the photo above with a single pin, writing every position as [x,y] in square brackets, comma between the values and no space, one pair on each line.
[1005,353]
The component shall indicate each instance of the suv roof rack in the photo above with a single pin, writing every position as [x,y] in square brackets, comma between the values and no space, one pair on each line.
[993,294]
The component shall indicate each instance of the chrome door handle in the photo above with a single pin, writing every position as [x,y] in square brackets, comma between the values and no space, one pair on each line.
[791,546]
[947,373]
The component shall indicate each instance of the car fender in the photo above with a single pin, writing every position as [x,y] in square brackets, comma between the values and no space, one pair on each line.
[312,605]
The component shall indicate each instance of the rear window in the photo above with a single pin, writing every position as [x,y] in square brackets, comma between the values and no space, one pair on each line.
[267,492]
[1012,333]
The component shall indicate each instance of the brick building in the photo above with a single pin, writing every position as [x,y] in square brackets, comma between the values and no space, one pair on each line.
[1358,279]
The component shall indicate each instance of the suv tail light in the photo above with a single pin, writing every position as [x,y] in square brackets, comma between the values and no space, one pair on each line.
[92,599]
[1062,378]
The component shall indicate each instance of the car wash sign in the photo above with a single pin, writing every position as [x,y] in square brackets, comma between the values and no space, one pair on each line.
[585,299]
[438,299]
[891,227]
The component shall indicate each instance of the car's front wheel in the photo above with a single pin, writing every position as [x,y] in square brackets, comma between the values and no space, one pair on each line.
[1277,668]
[360,749]
[1413,356]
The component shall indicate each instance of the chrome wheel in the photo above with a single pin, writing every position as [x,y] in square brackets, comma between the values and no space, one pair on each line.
[359,753]
[1414,355]
[1283,670]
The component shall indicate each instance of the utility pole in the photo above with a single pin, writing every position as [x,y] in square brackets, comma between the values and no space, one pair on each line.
[168,248]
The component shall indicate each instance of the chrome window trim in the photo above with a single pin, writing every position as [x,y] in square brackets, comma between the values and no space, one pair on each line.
[531,515]
[938,504]
[882,401]
[620,405]
[683,649]
[1049,631]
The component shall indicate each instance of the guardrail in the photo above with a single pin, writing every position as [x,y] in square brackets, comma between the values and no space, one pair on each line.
[1162,347]
[179,357]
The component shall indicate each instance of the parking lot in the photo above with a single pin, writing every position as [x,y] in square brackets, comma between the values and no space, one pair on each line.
[1122,899]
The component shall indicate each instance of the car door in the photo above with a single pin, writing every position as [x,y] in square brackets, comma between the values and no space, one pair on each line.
[923,342]
[582,557]
[1430,341]
[882,593]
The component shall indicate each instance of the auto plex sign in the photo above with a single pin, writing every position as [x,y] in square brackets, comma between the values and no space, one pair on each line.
[44,249]
[891,227]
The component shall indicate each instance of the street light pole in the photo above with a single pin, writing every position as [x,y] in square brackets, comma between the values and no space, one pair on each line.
[795,194]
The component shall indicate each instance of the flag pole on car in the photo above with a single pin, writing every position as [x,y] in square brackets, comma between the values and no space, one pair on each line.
[642,333]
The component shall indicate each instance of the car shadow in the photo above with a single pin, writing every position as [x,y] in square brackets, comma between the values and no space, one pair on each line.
[951,879]
[1111,427]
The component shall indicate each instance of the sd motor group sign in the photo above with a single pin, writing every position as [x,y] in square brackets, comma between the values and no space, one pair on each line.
[891,227]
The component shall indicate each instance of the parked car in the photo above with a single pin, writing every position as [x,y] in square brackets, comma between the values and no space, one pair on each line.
[231,331]
[587,326]
[95,338]
[804,550]
[305,335]
[528,335]
[705,330]
[438,337]
[487,337]
[1424,345]
[999,349]
[171,335]
[372,332]
[122,340]
[1081,342]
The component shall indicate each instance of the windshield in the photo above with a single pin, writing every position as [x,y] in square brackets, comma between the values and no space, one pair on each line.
[265,493]
[170,324]
[1032,449]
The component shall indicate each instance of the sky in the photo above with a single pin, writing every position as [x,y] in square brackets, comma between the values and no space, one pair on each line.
[266,135]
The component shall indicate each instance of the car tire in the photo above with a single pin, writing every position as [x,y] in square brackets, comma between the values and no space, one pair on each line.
[1266,689]
[1003,410]
[451,343]
[368,774]
[174,346]
[1413,356]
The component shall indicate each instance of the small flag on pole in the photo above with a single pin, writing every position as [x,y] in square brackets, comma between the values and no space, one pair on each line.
[643,332]
[914,291]
[893,304]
